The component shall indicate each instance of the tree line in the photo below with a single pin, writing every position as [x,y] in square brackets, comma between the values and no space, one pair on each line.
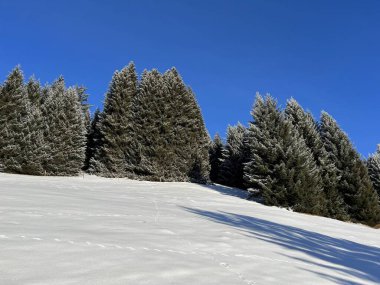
[287,159]
[151,128]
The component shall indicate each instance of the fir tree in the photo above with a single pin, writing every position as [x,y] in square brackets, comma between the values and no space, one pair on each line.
[93,138]
[110,157]
[373,164]
[34,91]
[190,137]
[65,130]
[327,173]
[83,100]
[234,155]
[281,166]
[354,186]
[170,140]
[215,158]
[14,107]
[17,126]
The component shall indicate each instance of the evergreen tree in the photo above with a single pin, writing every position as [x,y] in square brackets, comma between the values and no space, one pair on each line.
[83,100]
[64,134]
[373,164]
[354,186]
[281,166]
[327,173]
[93,138]
[115,123]
[215,158]
[190,141]
[234,155]
[34,91]
[19,141]
[155,158]
[170,139]
[199,141]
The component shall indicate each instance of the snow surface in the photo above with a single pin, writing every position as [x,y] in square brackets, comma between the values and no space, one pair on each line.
[91,230]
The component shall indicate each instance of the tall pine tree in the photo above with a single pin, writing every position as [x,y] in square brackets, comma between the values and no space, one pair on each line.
[234,155]
[327,173]
[20,140]
[373,164]
[354,186]
[281,166]
[65,131]
[215,153]
[92,141]
[115,123]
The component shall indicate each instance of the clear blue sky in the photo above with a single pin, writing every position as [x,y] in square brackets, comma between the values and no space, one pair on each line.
[326,54]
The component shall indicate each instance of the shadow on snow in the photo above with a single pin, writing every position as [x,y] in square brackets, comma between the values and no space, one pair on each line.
[348,257]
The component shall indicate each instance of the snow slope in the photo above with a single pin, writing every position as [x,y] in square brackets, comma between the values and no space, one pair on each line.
[91,230]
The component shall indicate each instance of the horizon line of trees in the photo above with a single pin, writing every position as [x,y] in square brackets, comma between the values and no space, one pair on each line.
[151,128]
[286,158]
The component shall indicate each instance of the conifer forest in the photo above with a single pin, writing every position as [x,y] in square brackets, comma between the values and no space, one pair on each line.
[151,128]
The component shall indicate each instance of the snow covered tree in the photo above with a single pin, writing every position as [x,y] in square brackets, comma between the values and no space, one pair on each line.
[190,141]
[115,123]
[170,142]
[234,155]
[361,200]
[215,158]
[199,141]
[373,164]
[65,131]
[34,91]
[93,138]
[327,173]
[281,166]
[83,100]
[13,111]
[20,138]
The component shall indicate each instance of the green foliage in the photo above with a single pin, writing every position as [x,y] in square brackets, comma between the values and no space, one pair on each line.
[64,133]
[93,138]
[373,164]
[281,166]
[361,200]
[115,123]
[215,154]
[20,140]
[234,156]
[170,142]
[326,174]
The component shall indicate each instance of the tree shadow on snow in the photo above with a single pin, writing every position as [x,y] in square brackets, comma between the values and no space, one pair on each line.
[348,257]
[226,190]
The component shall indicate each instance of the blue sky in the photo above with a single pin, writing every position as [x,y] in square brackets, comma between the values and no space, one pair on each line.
[324,53]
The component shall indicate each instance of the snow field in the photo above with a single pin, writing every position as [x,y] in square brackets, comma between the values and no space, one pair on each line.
[91,230]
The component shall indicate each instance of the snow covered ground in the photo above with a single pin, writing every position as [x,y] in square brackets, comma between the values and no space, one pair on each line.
[115,231]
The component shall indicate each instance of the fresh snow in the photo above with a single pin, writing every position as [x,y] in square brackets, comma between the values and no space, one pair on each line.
[91,230]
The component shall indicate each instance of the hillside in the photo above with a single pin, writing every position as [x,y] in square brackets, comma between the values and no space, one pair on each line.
[91,230]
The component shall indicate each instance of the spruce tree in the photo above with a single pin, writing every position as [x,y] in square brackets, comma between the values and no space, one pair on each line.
[327,173]
[281,166]
[83,100]
[170,141]
[65,131]
[215,158]
[93,138]
[34,91]
[13,111]
[373,164]
[115,123]
[190,135]
[234,155]
[354,186]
